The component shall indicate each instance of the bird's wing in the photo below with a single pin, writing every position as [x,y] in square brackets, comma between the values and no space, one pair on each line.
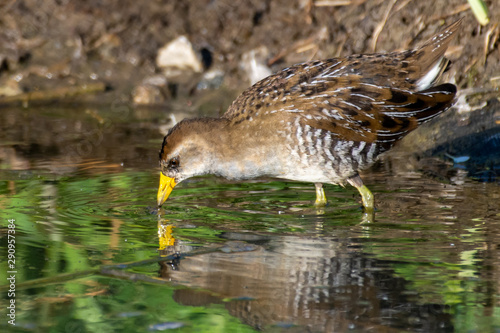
[411,70]
[370,113]
[346,96]
[374,97]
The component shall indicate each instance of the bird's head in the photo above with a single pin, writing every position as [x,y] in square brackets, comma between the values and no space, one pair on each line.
[185,153]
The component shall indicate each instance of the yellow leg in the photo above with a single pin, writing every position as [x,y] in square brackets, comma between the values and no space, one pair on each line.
[367,197]
[320,195]
[366,194]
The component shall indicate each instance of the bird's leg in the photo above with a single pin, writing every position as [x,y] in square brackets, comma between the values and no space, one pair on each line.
[366,194]
[320,195]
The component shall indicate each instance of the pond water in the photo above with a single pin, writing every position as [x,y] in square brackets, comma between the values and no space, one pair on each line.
[93,253]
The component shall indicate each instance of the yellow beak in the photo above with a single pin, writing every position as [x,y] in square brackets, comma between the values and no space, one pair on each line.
[167,184]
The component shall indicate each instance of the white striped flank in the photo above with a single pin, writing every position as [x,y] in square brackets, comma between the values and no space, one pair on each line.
[356,151]
[319,145]
[328,147]
[309,140]
[370,156]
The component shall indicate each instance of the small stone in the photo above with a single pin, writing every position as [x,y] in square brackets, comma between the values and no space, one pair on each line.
[10,87]
[155,80]
[254,64]
[146,94]
[178,58]
[211,79]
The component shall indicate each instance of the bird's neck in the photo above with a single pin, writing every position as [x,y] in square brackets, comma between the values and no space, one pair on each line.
[239,151]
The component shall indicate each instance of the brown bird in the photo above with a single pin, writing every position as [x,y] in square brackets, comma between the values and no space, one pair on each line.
[319,122]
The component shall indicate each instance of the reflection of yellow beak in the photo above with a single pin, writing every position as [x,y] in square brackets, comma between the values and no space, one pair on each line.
[167,184]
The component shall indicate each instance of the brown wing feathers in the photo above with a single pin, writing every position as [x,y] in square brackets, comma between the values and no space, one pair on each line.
[371,98]
[379,114]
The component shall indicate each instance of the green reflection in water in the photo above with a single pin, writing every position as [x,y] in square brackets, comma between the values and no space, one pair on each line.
[79,223]
[460,287]
[72,224]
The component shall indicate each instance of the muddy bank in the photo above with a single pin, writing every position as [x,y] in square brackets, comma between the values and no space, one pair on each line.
[52,44]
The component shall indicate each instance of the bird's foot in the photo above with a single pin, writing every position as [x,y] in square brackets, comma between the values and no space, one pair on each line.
[367,197]
[366,194]
[320,196]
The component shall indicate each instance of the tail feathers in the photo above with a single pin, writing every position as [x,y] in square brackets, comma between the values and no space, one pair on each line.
[405,111]
[432,75]
[430,56]
[440,99]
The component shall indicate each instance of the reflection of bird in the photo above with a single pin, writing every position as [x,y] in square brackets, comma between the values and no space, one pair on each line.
[320,122]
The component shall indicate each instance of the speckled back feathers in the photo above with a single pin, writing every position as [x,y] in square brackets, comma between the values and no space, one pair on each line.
[375,98]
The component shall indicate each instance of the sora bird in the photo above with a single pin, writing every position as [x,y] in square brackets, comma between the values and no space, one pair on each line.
[319,122]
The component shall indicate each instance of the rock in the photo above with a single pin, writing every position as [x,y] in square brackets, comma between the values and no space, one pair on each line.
[254,64]
[155,80]
[147,94]
[10,87]
[212,79]
[108,47]
[150,91]
[178,59]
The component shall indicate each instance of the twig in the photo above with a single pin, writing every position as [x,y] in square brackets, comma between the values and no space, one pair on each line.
[470,65]
[381,25]
[37,283]
[332,3]
[340,47]
[459,9]
[301,44]
[488,40]
[108,270]
[307,10]
[401,5]
[124,275]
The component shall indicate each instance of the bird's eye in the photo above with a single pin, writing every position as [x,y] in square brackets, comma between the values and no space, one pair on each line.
[173,163]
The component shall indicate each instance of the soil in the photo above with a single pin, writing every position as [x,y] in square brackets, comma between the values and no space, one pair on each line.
[45,44]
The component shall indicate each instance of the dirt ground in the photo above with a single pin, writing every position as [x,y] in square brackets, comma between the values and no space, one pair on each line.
[50,44]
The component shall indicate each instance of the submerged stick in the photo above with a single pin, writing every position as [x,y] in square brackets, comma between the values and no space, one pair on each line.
[115,270]
[58,93]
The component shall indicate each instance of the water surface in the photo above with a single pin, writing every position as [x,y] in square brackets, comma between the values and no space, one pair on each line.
[80,185]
